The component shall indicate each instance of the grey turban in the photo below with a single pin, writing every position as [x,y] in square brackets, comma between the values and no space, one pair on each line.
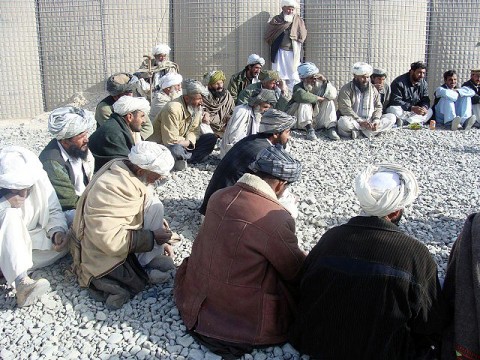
[120,83]
[275,121]
[19,168]
[152,156]
[276,162]
[385,188]
[193,87]
[265,95]
[67,122]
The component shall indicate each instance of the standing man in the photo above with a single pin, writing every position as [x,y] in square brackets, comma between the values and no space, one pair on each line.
[360,106]
[236,290]
[116,137]
[369,291]
[474,84]
[453,105]
[178,127]
[285,34]
[219,102]
[409,101]
[32,224]
[249,75]
[160,65]
[67,159]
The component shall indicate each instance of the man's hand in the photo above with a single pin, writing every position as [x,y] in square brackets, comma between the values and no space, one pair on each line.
[59,241]
[365,125]
[15,200]
[162,236]
[168,250]
[184,143]
[419,110]
[206,118]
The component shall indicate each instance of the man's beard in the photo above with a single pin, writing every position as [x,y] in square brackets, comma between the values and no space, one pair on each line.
[308,87]
[194,111]
[174,94]
[217,94]
[288,18]
[360,86]
[397,219]
[77,153]
[160,63]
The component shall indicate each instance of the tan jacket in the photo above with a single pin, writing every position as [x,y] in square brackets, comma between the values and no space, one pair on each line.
[174,123]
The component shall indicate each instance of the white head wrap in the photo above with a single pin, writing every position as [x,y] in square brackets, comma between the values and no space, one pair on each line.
[161,49]
[385,188]
[170,79]
[128,104]
[192,87]
[255,59]
[289,3]
[307,69]
[152,156]
[19,168]
[361,68]
[67,122]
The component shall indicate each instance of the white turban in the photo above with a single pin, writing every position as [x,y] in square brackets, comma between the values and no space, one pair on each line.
[385,188]
[19,168]
[289,3]
[255,59]
[170,79]
[307,69]
[128,104]
[361,68]
[67,122]
[152,156]
[161,49]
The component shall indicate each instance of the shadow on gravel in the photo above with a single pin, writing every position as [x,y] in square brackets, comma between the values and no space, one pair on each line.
[467,149]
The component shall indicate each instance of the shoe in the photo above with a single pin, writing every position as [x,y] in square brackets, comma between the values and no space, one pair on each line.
[332,134]
[355,134]
[455,123]
[469,122]
[311,135]
[399,123]
[29,290]
[158,277]
[180,165]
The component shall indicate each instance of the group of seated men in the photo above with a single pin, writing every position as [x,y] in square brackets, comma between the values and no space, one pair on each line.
[246,283]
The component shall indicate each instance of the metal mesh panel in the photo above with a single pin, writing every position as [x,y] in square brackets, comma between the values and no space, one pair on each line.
[21,93]
[454,35]
[71,47]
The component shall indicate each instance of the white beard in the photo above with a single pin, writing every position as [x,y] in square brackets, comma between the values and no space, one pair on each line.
[288,18]
[194,111]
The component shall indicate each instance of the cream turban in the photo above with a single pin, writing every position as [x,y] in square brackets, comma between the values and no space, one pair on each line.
[385,188]
[255,59]
[152,156]
[161,49]
[307,69]
[192,87]
[67,122]
[128,104]
[19,168]
[361,68]
[170,79]
[289,3]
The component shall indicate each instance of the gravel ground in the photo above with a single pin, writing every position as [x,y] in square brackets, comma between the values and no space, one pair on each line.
[67,323]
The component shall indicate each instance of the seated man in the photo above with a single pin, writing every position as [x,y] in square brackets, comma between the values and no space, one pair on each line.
[409,100]
[313,102]
[378,79]
[118,216]
[169,88]
[247,76]
[274,129]
[360,107]
[270,81]
[66,158]
[118,85]
[116,137]
[453,105]
[32,223]
[235,291]
[245,119]
[474,84]
[218,103]
[178,127]
[461,338]
[369,291]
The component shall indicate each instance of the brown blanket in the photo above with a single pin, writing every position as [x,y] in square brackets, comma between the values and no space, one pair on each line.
[278,25]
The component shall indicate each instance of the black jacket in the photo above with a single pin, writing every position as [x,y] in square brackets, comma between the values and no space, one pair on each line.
[406,95]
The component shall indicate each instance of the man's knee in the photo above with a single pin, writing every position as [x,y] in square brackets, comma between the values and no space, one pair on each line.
[178,151]
[395,110]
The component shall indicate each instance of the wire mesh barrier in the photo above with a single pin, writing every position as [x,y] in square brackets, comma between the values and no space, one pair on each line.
[57,48]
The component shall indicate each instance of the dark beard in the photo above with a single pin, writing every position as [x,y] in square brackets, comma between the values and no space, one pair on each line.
[397,219]
[77,153]
[360,86]
[218,93]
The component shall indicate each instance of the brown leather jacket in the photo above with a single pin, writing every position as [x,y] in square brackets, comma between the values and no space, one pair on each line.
[233,287]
